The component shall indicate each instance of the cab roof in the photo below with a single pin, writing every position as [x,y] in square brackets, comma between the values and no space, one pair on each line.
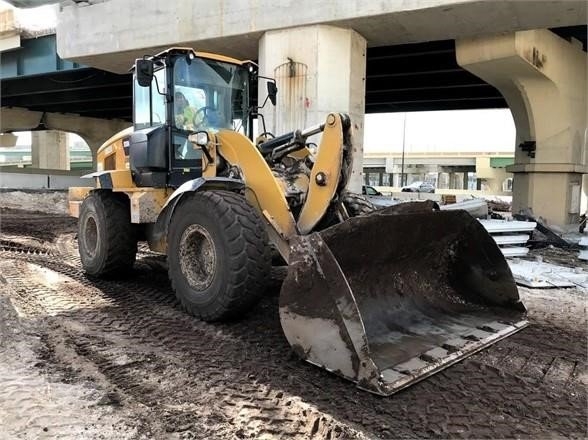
[207,55]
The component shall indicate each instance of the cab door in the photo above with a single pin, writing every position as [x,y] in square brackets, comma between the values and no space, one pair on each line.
[186,161]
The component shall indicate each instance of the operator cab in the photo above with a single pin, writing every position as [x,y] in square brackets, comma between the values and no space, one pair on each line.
[176,93]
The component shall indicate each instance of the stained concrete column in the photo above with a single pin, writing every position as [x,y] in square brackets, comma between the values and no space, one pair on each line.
[543,79]
[50,150]
[318,69]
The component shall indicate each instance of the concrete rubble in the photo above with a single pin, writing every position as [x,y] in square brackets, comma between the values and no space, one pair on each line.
[511,236]
[539,274]
[583,254]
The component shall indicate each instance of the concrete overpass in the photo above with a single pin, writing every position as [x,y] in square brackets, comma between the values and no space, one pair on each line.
[540,76]
[40,91]
[108,34]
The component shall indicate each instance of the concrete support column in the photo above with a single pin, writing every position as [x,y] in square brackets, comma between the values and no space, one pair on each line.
[50,150]
[492,178]
[318,69]
[452,181]
[543,79]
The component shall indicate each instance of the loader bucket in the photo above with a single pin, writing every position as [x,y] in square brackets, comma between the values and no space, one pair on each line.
[386,300]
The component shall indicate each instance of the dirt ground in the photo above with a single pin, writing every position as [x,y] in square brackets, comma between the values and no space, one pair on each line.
[94,359]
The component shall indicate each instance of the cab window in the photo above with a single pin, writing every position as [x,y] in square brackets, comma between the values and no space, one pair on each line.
[149,103]
[184,150]
[205,93]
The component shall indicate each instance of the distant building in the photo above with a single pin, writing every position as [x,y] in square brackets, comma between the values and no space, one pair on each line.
[461,171]
[461,150]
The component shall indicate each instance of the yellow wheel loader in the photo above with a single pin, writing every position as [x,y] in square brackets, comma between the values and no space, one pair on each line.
[382,298]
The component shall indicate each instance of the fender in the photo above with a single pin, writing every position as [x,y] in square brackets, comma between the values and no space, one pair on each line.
[116,180]
[157,235]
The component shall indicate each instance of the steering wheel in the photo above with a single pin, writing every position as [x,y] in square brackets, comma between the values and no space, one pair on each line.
[204,120]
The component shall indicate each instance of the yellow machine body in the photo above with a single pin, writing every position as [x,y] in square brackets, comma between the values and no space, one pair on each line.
[384,299]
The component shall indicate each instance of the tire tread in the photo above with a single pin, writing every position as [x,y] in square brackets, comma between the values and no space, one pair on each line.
[357,204]
[248,254]
[120,240]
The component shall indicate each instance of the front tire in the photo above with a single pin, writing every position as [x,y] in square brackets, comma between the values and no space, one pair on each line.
[218,255]
[107,241]
[357,204]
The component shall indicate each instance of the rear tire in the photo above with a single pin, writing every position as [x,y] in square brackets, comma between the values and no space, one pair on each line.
[218,255]
[106,237]
[357,204]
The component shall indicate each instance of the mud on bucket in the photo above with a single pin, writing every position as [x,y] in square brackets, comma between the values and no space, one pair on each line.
[387,300]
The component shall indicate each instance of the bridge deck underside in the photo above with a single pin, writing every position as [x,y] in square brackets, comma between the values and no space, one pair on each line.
[408,77]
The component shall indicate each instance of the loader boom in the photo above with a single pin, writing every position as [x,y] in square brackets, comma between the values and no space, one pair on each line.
[267,190]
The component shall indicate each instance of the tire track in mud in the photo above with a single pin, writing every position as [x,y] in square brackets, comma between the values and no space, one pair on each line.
[556,362]
[552,350]
[35,225]
[12,246]
[543,366]
[63,248]
[241,401]
[156,358]
[31,406]
[248,370]
[37,409]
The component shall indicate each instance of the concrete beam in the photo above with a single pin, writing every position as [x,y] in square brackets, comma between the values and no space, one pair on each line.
[111,34]
[9,42]
[18,119]
[7,140]
[9,31]
[543,79]
[93,130]
[7,22]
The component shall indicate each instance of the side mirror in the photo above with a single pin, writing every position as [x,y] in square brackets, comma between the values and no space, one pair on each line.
[144,72]
[199,138]
[272,91]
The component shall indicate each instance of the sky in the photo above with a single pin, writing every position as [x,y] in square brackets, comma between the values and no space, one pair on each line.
[439,131]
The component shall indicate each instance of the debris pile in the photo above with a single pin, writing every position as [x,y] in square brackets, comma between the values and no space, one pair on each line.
[511,236]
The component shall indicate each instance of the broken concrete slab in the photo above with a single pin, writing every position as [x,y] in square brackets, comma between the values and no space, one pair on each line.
[511,236]
[538,274]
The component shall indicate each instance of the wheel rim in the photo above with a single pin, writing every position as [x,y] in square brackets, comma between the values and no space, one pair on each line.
[197,257]
[91,236]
